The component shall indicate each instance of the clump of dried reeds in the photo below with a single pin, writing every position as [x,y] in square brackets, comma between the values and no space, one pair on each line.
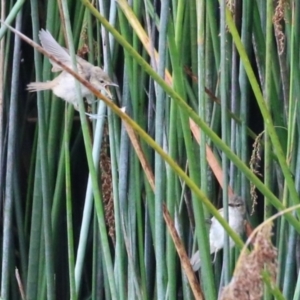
[247,280]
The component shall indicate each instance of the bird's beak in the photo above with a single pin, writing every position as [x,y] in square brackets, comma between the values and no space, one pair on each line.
[112,84]
[107,89]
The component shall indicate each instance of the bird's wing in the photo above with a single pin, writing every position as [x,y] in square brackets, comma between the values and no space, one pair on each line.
[50,45]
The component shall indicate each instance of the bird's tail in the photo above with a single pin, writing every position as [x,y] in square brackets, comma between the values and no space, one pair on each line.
[39,86]
[195,261]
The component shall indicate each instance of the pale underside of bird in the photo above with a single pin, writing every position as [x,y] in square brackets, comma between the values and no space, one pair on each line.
[64,86]
[236,214]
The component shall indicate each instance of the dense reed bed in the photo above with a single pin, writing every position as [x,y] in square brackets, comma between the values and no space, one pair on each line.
[113,206]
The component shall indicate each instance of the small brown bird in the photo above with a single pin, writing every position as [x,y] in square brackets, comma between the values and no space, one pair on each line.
[63,85]
[236,216]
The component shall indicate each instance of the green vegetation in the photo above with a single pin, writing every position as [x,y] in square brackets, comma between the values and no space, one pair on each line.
[112,206]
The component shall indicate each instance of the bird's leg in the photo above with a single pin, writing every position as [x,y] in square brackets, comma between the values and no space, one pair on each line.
[215,256]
